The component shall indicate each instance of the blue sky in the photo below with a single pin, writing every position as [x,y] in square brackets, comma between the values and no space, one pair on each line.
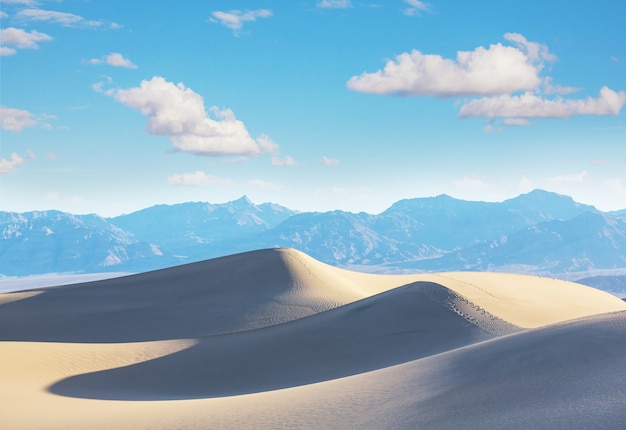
[113,106]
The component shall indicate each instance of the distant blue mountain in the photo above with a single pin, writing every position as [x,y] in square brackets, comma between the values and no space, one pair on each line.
[194,231]
[53,241]
[539,232]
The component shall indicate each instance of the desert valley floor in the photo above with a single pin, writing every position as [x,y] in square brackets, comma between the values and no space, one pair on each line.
[274,339]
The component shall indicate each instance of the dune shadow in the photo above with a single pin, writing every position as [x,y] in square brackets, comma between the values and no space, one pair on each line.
[216,296]
[400,325]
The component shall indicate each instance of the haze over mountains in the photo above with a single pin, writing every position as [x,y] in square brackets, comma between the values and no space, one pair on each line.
[539,232]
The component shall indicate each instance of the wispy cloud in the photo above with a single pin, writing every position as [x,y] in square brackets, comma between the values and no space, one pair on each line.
[113,59]
[11,38]
[20,2]
[415,7]
[176,111]
[576,178]
[329,162]
[530,105]
[17,119]
[198,179]
[516,121]
[334,4]
[263,185]
[598,163]
[64,18]
[234,19]
[286,161]
[8,165]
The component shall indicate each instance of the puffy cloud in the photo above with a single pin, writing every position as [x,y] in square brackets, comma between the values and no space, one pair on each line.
[198,179]
[287,161]
[176,111]
[8,165]
[498,69]
[530,105]
[506,78]
[415,7]
[329,162]
[16,119]
[113,59]
[22,39]
[234,19]
[334,4]
[63,18]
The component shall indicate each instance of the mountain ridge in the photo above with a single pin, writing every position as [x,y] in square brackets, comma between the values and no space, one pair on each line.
[539,232]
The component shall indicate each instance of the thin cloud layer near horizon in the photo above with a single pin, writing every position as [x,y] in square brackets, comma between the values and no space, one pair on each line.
[108,107]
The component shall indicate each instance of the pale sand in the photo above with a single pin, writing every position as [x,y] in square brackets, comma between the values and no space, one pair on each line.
[276,339]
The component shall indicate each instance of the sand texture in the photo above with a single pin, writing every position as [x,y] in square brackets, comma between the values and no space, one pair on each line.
[274,339]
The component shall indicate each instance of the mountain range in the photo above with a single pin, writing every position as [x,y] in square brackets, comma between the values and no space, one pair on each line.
[540,232]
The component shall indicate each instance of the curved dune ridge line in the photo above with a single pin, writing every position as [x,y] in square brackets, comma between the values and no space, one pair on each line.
[276,339]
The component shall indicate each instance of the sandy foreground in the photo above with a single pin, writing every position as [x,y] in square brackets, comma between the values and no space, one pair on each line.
[275,339]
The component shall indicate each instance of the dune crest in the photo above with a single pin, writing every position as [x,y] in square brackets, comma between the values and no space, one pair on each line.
[276,339]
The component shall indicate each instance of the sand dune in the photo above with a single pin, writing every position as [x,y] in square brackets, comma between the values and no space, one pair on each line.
[276,339]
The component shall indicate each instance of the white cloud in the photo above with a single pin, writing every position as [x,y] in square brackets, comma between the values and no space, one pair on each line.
[16,119]
[334,4]
[8,165]
[113,59]
[507,78]
[287,161]
[116,60]
[234,19]
[21,39]
[264,185]
[63,18]
[3,14]
[59,198]
[415,7]
[198,179]
[472,183]
[176,111]
[53,196]
[345,194]
[530,105]
[498,69]
[574,178]
[489,128]
[22,2]
[536,52]
[548,88]
[99,86]
[516,121]
[329,162]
